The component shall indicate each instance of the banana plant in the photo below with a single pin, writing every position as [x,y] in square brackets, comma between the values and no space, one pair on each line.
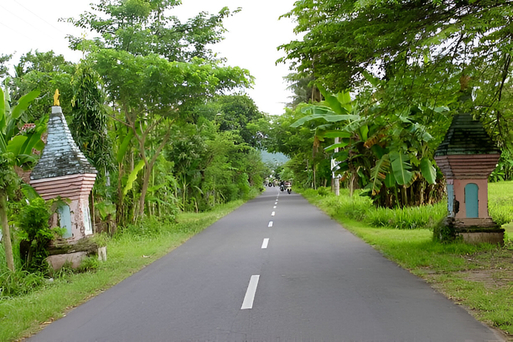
[14,150]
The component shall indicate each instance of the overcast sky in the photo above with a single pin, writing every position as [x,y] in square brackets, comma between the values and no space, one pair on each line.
[254,34]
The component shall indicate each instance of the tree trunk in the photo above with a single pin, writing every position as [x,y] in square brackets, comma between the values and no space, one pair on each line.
[6,234]
[120,209]
[144,189]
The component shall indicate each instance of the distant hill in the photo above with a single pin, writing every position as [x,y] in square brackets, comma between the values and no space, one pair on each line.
[275,158]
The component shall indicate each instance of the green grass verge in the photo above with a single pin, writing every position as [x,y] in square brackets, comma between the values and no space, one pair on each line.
[479,277]
[126,254]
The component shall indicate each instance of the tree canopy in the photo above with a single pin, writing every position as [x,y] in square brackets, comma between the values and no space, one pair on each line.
[419,51]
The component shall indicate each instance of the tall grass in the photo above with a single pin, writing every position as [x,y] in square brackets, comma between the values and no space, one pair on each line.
[500,202]
[360,208]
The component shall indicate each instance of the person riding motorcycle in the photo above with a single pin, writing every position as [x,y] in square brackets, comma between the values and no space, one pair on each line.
[288,186]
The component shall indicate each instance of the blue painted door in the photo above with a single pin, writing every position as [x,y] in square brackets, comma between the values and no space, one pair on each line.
[450,199]
[472,200]
[65,220]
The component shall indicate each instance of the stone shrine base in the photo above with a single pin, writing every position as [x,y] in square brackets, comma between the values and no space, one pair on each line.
[473,230]
[62,252]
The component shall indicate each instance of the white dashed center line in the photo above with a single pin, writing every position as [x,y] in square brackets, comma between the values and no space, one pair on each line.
[265,243]
[274,207]
[273,213]
[250,293]
[270,224]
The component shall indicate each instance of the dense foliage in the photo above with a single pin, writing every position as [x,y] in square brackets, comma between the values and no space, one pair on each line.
[400,70]
[146,106]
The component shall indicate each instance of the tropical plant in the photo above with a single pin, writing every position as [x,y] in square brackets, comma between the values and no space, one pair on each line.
[14,150]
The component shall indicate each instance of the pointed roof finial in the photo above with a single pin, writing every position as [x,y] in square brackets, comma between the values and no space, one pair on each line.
[56,101]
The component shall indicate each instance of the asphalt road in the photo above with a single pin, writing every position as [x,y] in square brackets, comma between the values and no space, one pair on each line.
[301,277]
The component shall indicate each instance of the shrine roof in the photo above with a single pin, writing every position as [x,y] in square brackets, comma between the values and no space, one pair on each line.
[61,155]
[466,136]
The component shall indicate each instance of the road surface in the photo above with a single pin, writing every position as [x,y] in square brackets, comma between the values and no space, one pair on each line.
[276,269]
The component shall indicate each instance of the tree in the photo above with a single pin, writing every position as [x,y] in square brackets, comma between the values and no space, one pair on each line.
[142,27]
[45,71]
[156,70]
[420,50]
[3,68]
[14,149]
[239,112]
[152,93]
[89,119]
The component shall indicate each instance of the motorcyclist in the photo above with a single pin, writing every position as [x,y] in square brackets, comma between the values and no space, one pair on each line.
[282,185]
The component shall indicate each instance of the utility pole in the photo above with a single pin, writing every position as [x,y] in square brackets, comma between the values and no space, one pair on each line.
[334,167]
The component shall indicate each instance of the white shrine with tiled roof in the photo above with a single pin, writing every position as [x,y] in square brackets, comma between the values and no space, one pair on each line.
[63,171]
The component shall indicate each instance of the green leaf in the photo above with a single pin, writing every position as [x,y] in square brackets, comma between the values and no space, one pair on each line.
[15,144]
[327,117]
[133,176]
[345,100]
[123,147]
[371,79]
[401,167]
[334,146]
[341,156]
[23,104]
[428,170]
[364,132]
[390,181]
[335,105]
[334,134]
[2,108]
[379,173]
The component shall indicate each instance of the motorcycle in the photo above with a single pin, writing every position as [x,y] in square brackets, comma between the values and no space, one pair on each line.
[289,188]
[282,187]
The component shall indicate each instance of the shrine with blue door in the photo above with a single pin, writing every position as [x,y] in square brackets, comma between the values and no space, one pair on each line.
[466,157]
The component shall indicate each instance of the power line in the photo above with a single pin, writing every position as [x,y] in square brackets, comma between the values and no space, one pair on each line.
[19,32]
[42,19]
[17,16]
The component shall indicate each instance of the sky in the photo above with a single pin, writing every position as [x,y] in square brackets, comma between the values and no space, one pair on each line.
[251,41]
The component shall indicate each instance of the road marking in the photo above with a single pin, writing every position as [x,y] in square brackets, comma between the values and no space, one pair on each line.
[270,224]
[265,243]
[273,213]
[274,207]
[250,293]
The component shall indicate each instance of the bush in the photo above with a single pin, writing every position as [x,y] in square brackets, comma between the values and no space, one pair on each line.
[323,191]
[19,283]
[88,264]
[35,234]
[426,216]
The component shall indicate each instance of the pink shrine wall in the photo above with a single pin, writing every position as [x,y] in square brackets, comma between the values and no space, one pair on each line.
[459,194]
[75,188]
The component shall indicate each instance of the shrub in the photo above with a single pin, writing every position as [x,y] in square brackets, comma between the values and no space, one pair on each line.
[407,218]
[19,283]
[35,234]
[323,191]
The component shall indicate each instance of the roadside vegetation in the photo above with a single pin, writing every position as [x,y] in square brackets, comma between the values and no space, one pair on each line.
[479,277]
[33,300]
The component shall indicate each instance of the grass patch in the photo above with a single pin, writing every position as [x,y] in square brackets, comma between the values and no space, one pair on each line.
[480,277]
[127,253]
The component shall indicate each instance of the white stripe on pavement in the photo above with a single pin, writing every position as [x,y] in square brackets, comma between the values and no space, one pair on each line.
[250,293]
[273,213]
[270,224]
[265,243]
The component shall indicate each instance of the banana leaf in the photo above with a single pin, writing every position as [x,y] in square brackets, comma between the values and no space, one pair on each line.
[401,167]
[379,173]
[428,170]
